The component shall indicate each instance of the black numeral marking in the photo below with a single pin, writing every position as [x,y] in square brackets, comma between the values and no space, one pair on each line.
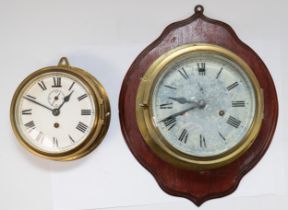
[218,75]
[230,87]
[39,137]
[238,103]
[55,142]
[30,124]
[71,86]
[222,137]
[86,112]
[183,73]
[82,97]
[233,122]
[27,112]
[170,122]
[81,127]
[202,142]
[201,68]
[183,136]
[166,106]
[71,139]
[42,85]
[56,82]
[170,87]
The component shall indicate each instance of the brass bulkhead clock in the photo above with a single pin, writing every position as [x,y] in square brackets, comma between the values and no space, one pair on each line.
[199,106]
[60,112]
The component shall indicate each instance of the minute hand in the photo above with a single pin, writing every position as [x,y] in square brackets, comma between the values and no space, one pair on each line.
[180,113]
[35,102]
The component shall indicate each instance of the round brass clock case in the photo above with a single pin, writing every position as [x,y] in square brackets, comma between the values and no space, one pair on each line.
[150,130]
[100,114]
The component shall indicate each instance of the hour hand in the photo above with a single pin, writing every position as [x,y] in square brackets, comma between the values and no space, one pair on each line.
[182,100]
[66,99]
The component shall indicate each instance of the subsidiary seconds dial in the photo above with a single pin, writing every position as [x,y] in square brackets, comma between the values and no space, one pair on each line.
[59,112]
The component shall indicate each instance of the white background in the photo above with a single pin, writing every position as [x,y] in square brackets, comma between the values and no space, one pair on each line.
[104,37]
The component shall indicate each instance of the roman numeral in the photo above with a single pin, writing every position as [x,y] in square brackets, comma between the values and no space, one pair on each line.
[202,142]
[183,73]
[230,87]
[170,122]
[183,136]
[170,87]
[81,127]
[30,124]
[31,97]
[40,136]
[166,106]
[27,112]
[55,142]
[56,82]
[222,137]
[82,97]
[201,68]
[219,73]
[238,103]
[86,112]
[42,85]
[233,122]
[71,86]
[71,139]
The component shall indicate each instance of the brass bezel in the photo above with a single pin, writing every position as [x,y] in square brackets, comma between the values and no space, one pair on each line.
[152,135]
[102,118]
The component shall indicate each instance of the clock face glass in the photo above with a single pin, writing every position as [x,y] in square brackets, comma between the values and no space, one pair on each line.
[55,112]
[203,104]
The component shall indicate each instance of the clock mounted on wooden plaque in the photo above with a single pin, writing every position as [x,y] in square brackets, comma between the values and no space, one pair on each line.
[198,108]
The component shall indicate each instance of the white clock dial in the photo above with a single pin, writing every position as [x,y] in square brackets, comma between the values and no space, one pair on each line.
[203,104]
[55,112]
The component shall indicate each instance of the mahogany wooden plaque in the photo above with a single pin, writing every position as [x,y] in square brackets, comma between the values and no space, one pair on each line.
[198,186]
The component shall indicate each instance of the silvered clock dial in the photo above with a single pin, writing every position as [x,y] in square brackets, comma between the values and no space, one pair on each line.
[205,106]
